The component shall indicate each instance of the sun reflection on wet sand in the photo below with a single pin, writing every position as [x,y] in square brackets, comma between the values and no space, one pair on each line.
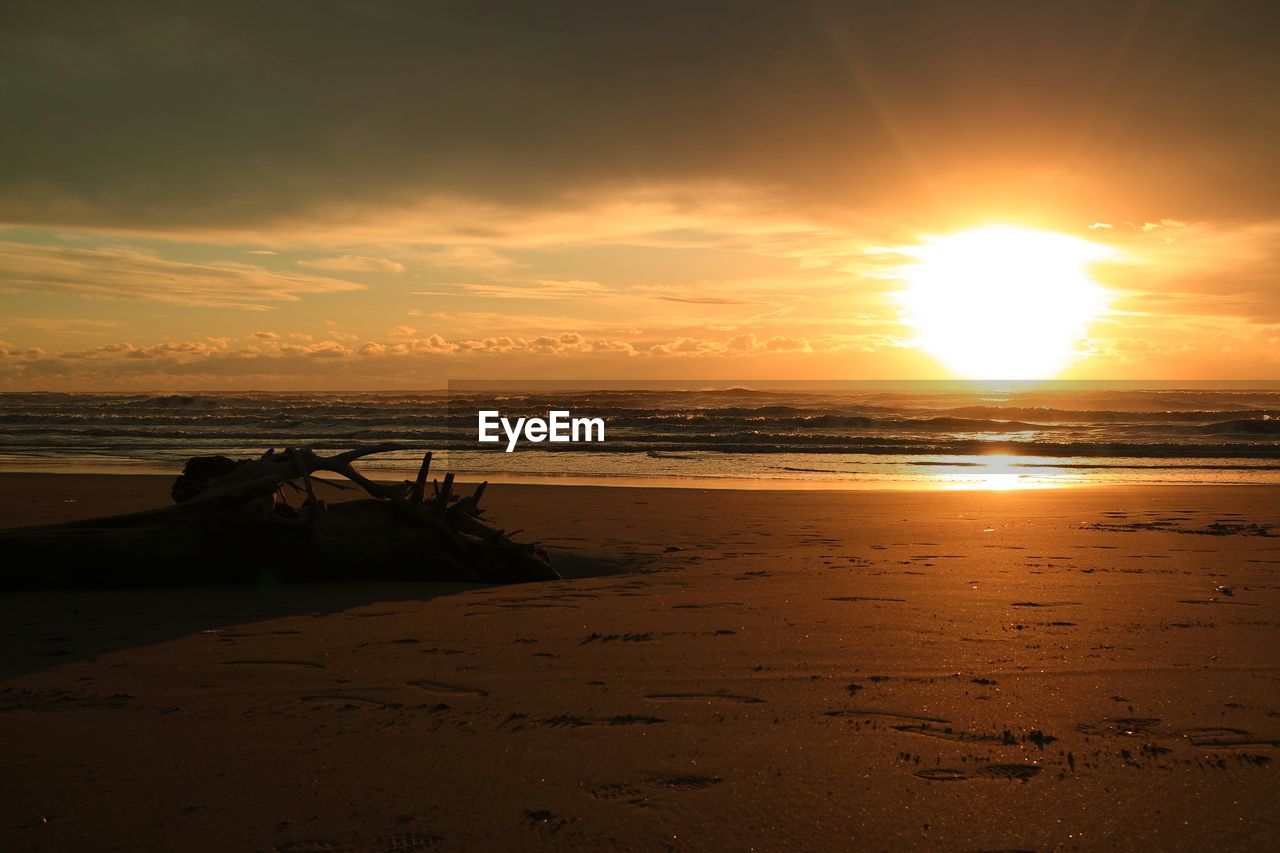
[996,473]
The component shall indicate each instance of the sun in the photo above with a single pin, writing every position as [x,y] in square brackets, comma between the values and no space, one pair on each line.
[1003,302]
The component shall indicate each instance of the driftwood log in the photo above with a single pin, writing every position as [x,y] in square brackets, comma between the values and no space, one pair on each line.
[231,522]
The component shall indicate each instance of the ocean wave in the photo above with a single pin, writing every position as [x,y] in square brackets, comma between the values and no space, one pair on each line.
[664,424]
[1245,426]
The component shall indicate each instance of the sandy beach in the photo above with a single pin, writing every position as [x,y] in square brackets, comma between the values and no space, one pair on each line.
[727,670]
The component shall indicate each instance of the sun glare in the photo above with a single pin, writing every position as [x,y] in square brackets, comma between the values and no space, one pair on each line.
[1003,302]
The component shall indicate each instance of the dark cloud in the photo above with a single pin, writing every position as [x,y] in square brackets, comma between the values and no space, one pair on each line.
[238,115]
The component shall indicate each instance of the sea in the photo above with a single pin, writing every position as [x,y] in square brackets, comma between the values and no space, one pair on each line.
[747,435]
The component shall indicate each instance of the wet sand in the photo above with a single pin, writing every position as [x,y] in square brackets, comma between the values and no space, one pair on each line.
[730,670]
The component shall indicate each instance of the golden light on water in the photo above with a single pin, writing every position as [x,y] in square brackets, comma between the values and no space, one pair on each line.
[997,472]
[1003,302]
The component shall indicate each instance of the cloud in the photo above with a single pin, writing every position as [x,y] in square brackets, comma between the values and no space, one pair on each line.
[1171,270]
[130,273]
[168,349]
[10,352]
[434,344]
[64,325]
[738,345]
[321,349]
[352,263]
[378,108]
[750,343]
[573,342]
[427,361]
[537,289]
[267,345]
[464,257]
[560,344]
[704,300]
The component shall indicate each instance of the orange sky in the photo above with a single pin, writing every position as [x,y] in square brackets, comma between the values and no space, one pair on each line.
[386,196]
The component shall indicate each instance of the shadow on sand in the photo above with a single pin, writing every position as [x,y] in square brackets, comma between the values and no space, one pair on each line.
[48,628]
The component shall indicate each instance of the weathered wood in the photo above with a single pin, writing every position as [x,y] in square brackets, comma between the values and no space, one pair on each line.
[306,481]
[230,526]
[446,492]
[264,475]
[420,484]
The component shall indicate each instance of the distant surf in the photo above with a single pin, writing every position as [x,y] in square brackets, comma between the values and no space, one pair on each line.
[1218,435]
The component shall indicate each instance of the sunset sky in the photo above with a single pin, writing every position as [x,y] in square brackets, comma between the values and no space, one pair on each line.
[366,195]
